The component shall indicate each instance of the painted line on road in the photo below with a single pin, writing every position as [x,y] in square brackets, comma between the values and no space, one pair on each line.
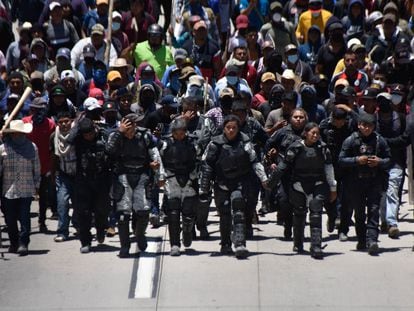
[145,272]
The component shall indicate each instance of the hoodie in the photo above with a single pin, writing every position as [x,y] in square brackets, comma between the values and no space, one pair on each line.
[354,25]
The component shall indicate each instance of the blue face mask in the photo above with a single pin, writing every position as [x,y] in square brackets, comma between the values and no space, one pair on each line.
[292,59]
[232,80]
[99,76]
[116,26]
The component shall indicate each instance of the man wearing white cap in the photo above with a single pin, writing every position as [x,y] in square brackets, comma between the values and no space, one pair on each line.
[60,32]
[20,171]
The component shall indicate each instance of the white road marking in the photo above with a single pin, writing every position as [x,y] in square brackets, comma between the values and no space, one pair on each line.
[146,273]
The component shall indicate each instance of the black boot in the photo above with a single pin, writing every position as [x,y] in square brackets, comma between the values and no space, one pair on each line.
[140,229]
[201,219]
[174,227]
[188,224]
[225,230]
[316,241]
[298,233]
[123,231]
[239,240]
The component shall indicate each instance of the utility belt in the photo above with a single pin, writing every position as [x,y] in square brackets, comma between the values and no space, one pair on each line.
[133,170]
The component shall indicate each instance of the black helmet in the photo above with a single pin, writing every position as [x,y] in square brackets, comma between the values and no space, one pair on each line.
[155,29]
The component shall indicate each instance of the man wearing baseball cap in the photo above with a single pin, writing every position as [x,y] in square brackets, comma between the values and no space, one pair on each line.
[98,41]
[266,83]
[60,32]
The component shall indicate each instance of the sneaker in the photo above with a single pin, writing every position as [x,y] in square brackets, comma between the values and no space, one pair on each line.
[23,250]
[175,251]
[343,237]
[43,228]
[394,232]
[373,248]
[124,252]
[85,249]
[110,232]
[226,249]
[60,238]
[241,252]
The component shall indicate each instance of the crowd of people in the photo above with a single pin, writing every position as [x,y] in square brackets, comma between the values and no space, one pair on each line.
[301,104]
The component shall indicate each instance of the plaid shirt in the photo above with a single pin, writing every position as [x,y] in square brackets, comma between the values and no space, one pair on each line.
[20,177]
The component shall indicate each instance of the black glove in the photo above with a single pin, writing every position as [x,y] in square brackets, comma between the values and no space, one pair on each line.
[204,197]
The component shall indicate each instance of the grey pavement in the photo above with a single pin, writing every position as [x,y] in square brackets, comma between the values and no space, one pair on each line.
[55,276]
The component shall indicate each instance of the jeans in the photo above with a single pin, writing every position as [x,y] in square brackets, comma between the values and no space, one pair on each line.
[396,174]
[65,191]
[17,210]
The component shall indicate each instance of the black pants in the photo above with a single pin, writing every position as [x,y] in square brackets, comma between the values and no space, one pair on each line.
[92,196]
[43,197]
[363,196]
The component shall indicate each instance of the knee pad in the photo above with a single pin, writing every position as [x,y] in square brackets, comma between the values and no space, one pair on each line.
[238,217]
[298,201]
[316,205]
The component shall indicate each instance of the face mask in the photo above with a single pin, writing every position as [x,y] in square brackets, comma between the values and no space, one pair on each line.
[379,82]
[110,120]
[316,14]
[232,80]
[292,58]
[39,116]
[99,76]
[20,139]
[337,37]
[37,85]
[396,99]
[277,17]
[146,81]
[116,26]
[147,101]
[226,104]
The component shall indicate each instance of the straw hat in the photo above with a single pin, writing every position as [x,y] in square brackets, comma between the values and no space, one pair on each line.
[18,126]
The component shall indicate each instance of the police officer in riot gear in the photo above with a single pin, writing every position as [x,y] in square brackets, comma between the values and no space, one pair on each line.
[258,137]
[227,161]
[275,150]
[310,164]
[334,130]
[366,156]
[134,152]
[92,181]
[179,154]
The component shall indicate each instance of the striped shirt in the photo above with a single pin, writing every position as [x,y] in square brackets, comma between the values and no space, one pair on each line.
[20,176]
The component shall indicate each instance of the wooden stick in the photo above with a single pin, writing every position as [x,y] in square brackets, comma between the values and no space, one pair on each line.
[109,34]
[16,109]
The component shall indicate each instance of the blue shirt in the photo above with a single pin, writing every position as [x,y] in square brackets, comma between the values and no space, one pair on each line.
[256,16]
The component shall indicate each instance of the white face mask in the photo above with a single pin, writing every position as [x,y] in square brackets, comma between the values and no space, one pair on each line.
[116,26]
[277,17]
[316,14]
[396,99]
[379,82]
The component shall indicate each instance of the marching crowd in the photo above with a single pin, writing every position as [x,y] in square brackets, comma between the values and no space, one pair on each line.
[301,104]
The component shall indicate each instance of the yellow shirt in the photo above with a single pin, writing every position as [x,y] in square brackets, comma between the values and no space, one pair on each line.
[306,21]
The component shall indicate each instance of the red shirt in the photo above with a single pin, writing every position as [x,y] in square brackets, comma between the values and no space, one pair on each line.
[40,136]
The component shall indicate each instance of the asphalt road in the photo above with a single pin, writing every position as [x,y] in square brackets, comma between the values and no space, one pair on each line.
[55,276]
